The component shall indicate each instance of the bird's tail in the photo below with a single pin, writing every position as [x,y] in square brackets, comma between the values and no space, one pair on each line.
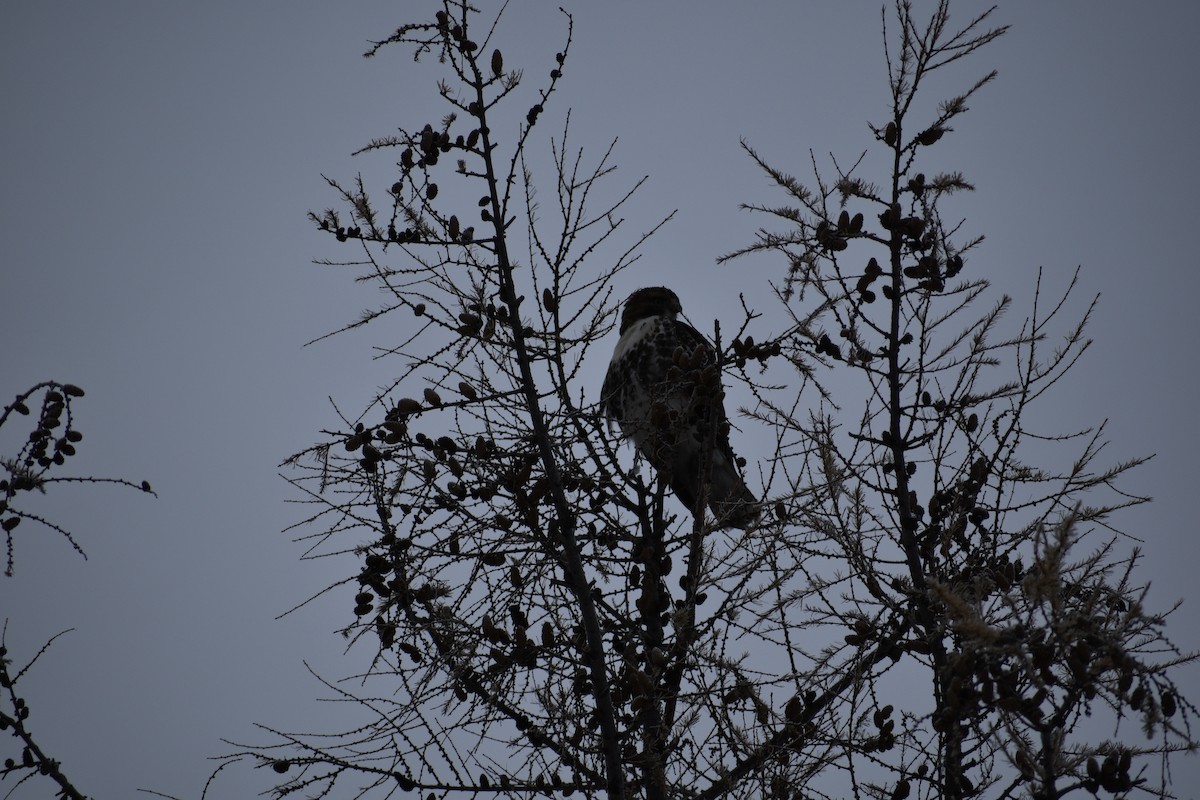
[733,504]
[730,500]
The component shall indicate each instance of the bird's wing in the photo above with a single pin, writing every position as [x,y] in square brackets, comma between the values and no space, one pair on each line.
[610,403]
[689,339]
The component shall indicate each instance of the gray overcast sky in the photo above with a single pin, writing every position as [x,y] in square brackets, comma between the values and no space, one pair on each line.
[157,163]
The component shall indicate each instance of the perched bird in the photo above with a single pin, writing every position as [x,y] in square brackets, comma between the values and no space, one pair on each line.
[663,388]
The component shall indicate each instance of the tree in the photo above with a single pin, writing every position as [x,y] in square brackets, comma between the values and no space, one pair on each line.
[927,608]
[42,451]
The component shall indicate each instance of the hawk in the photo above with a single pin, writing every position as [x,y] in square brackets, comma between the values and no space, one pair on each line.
[663,388]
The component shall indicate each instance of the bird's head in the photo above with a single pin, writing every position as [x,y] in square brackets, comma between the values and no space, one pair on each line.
[653,301]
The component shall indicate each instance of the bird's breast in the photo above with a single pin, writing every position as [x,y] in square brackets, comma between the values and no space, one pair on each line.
[634,335]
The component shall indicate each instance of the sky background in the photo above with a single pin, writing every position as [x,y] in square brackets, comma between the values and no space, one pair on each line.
[156,164]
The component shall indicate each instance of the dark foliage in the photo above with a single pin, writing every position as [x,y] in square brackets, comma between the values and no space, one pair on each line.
[52,439]
[929,608]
